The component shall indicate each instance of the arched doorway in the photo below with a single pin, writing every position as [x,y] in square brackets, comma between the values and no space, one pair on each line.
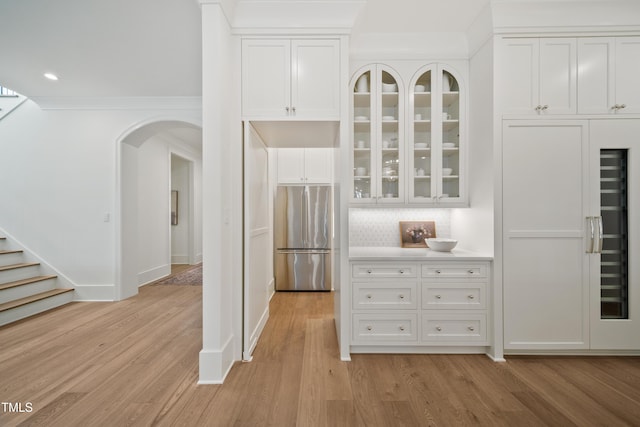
[143,196]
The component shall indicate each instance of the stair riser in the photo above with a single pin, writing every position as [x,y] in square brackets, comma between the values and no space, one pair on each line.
[18,292]
[36,307]
[7,259]
[19,274]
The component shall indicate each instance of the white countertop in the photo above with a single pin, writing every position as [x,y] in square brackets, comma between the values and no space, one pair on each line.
[390,253]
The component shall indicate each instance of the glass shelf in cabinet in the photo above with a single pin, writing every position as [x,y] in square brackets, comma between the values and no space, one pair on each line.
[449,125]
[450,98]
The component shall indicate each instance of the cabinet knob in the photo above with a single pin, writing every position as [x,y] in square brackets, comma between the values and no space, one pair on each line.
[369,297]
[544,107]
[438,296]
[438,271]
[471,297]
[293,109]
[402,328]
[401,271]
[369,271]
[470,271]
[471,328]
[287,109]
[369,328]
[401,296]
[623,106]
[538,107]
[438,328]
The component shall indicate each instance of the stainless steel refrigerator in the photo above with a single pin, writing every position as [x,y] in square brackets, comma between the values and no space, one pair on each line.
[303,238]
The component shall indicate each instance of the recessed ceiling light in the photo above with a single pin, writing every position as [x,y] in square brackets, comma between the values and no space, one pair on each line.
[51,76]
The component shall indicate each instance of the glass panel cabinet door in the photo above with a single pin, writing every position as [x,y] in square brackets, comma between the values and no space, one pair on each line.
[450,116]
[377,147]
[363,143]
[422,183]
[390,114]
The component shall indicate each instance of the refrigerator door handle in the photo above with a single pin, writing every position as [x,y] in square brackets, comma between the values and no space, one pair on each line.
[592,234]
[304,216]
[600,234]
[304,251]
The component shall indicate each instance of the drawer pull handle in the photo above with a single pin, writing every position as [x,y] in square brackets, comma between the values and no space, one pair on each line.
[438,296]
[402,328]
[401,271]
[369,297]
[471,297]
[471,328]
[438,271]
[368,271]
[401,296]
[369,328]
[438,328]
[471,272]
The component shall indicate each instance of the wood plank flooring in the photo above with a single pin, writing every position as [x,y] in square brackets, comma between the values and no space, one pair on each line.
[135,363]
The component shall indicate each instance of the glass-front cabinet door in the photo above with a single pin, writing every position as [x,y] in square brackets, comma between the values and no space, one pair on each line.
[436,137]
[377,142]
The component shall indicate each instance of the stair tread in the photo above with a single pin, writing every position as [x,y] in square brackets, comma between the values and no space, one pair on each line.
[14,266]
[10,251]
[26,300]
[25,281]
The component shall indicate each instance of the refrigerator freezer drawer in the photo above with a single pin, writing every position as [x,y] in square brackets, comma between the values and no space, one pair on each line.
[303,270]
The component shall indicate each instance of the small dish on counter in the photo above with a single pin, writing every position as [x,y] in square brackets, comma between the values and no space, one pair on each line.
[441,245]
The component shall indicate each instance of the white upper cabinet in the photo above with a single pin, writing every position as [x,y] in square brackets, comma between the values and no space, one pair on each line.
[292,79]
[539,76]
[608,69]
[436,144]
[304,165]
[378,136]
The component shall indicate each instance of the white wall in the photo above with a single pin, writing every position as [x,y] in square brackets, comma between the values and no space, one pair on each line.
[180,231]
[475,224]
[58,171]
[221,197]
[154,177]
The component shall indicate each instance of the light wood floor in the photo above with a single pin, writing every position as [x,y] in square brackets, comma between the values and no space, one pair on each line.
[135,362]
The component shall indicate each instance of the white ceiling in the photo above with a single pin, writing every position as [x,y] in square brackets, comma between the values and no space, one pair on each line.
[153,47]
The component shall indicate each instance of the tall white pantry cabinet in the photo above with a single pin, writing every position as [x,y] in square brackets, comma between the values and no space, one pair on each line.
[570,198]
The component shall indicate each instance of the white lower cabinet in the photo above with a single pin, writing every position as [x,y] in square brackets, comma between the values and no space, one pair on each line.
[420,304]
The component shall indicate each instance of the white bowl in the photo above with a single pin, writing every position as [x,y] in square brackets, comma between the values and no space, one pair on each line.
[420,88]
[361,118]
[421,145]
[447,171]
[389,87]
[388,118]
[448,144]
[441,245]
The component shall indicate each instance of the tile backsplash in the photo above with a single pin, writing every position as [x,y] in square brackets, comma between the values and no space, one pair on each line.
[380,227]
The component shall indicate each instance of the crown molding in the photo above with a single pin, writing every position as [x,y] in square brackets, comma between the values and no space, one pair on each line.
[119,103]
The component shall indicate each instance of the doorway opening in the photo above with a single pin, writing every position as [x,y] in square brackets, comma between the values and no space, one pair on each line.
[145,246]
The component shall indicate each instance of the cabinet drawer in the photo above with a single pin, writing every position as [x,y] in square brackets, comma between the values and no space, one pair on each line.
[383,270]
[458,328]
[385,327]
[385,295]
[455,270]
[454,296]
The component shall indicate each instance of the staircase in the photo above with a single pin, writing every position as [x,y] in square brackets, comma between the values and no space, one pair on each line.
[24,289]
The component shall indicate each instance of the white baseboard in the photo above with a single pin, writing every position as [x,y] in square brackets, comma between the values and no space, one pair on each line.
[95,293]
[255,335]
[179,259]
[146,277]
[216,364]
